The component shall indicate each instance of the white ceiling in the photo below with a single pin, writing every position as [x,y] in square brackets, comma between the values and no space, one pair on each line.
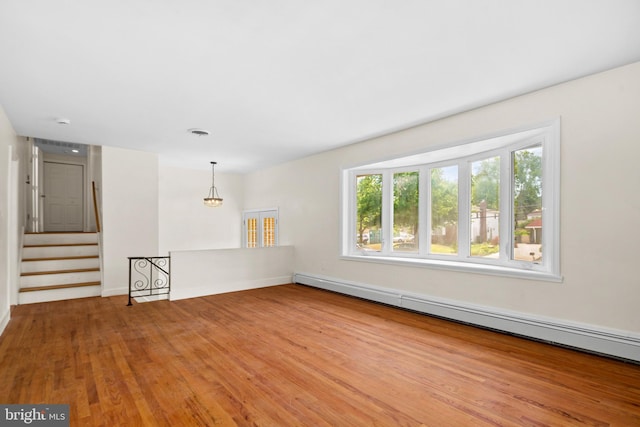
[282,79]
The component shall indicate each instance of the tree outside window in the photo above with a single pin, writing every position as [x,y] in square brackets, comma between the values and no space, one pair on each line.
[444,210]
[369,211]
[405,211]
[527,204]
[485,207]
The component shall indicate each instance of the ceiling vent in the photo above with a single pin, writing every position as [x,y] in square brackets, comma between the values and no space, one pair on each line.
[199,132]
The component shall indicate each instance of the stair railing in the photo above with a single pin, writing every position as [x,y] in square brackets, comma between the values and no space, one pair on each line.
[149,276]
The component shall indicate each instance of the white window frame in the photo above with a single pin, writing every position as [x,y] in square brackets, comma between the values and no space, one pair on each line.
[545,134]
[260,214]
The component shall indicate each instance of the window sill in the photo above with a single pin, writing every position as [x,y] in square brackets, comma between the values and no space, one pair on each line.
[466,267]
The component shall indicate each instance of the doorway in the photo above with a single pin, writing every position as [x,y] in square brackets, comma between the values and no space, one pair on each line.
[63,197]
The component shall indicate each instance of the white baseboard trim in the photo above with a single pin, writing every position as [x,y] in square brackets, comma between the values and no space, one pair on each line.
[612,342]
[5,320]
[115,291]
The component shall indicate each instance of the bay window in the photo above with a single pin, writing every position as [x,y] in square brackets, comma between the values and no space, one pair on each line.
[490,205]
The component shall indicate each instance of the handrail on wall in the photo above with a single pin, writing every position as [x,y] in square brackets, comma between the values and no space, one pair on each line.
[95,206]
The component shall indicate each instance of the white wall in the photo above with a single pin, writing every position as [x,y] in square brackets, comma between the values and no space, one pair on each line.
[210,272]
[130,213]
[185,223]
[600,207]
[11,215]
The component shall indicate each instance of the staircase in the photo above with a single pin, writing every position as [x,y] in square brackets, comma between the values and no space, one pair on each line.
[59,266]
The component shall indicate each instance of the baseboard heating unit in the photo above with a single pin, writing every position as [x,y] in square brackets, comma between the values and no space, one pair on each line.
[595,339]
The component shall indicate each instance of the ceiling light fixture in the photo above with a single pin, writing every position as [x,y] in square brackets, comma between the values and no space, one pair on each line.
[213,200]
[199,132]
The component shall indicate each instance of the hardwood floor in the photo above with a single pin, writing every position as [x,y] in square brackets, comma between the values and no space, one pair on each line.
[297,356]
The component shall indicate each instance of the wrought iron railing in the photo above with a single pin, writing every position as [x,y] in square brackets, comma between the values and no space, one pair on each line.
[149,276]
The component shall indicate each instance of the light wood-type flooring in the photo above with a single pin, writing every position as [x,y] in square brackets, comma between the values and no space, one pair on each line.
[296,356]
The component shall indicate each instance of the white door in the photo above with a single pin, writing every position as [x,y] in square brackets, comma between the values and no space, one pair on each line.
[63,197]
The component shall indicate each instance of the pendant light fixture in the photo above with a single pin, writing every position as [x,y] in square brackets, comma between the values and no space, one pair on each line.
[213,200]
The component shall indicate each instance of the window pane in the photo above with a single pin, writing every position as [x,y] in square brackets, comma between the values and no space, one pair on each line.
[527,204]
[252,232]
[444,210]
[369,212]
[485,208]
[405,211]
[269,231]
